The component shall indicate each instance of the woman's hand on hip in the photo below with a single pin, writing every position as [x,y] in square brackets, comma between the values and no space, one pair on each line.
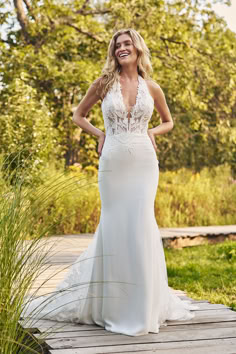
[101,140]
[152,137]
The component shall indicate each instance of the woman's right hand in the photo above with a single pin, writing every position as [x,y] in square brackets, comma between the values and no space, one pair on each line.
[101,140]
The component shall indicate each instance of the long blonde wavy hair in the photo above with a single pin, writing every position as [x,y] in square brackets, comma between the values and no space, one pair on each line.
[112,68]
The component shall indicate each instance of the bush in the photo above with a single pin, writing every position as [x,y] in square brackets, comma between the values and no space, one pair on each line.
[185,198]
[72,201]
[28,138]
[76,208]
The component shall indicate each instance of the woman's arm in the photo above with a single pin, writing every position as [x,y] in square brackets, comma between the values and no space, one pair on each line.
[88,101]
[79,116]
[163,109]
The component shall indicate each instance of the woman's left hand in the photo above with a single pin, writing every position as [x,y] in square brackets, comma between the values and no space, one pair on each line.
[152,137]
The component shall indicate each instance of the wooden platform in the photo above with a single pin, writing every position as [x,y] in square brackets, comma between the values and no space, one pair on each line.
[213,330]
[197,235]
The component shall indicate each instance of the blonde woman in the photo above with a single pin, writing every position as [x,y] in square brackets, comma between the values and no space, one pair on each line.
[120,281]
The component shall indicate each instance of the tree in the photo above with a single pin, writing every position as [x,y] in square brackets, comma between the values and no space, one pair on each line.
[28,139]
[59,47]
[62,48]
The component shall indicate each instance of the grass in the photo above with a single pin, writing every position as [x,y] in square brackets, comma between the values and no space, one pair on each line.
[22,216]
[19,266]
[207,198]
[205,272]
[183,199]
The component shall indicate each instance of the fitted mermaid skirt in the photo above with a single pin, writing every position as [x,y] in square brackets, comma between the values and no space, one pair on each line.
[120,281]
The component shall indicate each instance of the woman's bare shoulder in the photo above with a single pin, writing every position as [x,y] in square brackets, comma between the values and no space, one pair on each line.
[153,85]
[154,89]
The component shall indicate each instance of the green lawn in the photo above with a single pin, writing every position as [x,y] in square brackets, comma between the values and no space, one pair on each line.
[205,272]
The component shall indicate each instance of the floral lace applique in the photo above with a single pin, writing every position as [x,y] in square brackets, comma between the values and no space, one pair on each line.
[115,114]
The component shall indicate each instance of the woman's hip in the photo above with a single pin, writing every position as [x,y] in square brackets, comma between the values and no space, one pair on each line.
[134,150]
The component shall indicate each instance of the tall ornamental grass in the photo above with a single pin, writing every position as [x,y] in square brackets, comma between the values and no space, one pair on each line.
[23,217]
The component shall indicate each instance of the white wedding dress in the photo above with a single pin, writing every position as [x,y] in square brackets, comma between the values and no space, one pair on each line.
[120,281]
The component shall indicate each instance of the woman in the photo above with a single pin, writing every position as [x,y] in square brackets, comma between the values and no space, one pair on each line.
[120,281]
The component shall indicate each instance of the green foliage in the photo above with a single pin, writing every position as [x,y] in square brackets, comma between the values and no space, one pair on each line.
[61,47]
[72,201]
[205,272]
[28,139]
[185,198]
[194,63]
[227,251]
[75,207]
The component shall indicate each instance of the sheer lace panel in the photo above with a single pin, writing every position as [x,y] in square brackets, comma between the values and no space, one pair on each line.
[115,114]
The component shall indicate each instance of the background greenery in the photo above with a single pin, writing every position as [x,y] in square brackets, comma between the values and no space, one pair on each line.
[72,203]
[51,51]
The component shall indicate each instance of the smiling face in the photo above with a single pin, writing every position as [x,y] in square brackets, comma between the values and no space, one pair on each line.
[125,51]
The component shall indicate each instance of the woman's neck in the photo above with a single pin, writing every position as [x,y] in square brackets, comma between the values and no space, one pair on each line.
[129,73]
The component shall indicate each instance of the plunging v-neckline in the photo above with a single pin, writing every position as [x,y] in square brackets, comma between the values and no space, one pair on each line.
[129,113]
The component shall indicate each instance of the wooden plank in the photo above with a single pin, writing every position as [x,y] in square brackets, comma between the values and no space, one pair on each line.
[192,300]
[193,231]
[203,320]
[48,325]
[219,346]
[211,328]
[161,337]
[103,332]
[94,330]
[205,316]
[199,326]
[59,327]
[207,306]
[207,312]
[200,317]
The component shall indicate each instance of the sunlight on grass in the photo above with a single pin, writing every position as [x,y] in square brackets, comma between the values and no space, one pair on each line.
[205,272]
[207,198]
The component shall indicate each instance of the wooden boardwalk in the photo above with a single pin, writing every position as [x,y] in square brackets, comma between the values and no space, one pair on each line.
[213,330]
[197,235]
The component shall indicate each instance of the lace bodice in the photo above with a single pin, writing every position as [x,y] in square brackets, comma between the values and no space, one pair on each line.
[115,115]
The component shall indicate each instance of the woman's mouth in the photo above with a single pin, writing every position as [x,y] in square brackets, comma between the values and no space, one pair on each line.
[123,55]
